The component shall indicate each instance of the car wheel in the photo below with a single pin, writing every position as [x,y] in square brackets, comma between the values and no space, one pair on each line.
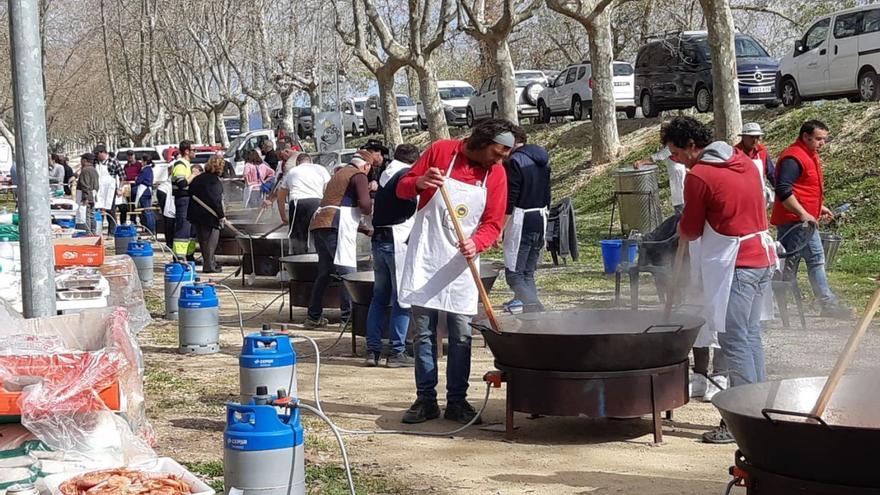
[630,112]
[648,108]
[791,97]
[300,132]
[577,109]
[703,100]
[494,111]
[543,112]
[469,117]
[869,86]
[354,130]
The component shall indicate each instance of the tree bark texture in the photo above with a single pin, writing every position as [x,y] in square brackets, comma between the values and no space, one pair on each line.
[725,94]
[431,103]
[606,141]
[506,83]
[388,105]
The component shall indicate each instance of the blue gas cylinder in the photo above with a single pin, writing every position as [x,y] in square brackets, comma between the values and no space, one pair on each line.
[123,234]
[142,255]
[198,322]
[177,275]
[267,359]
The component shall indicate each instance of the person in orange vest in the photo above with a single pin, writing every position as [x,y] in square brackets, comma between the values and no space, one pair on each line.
[800,197]
[750,144]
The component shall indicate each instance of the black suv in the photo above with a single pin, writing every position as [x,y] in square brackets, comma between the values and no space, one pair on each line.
[675,72]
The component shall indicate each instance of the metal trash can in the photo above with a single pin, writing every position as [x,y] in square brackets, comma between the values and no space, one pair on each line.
[830,244]
[637,194]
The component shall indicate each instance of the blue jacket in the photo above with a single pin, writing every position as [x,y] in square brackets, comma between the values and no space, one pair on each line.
[528,183]
[145,178]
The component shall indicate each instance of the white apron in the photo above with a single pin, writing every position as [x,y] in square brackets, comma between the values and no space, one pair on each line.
[346,234]
[513,234]
[169,211]
[713,261]
[106,188]
[769,194]
[141,189]
[436,275]
[400,234]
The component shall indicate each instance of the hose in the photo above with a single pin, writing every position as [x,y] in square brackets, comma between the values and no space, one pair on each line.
[269,305]
[237,308]
[339,440]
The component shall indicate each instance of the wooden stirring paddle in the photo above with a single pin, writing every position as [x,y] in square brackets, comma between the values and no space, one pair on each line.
[674,282]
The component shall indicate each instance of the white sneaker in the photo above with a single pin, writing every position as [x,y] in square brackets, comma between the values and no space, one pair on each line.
[711,390]
[698,385]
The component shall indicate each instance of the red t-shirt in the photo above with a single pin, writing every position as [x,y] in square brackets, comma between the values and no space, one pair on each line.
[729,196]
[440,155]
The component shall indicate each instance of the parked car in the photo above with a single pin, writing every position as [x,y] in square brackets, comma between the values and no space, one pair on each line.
[675,72]
[406,111]
[571,93]
[353,115]
[838,56]
[529,84]
[303,121]
[238,148]
[454,97]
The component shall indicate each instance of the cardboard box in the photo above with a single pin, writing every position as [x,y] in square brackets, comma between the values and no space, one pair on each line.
[79,251]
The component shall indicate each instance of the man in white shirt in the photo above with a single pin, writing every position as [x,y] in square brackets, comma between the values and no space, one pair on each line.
[302,187]
[676,172]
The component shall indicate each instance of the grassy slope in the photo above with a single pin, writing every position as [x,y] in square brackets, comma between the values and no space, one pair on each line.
[852,170]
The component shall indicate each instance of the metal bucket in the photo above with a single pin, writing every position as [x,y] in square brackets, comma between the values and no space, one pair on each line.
[830,244]
[638,196]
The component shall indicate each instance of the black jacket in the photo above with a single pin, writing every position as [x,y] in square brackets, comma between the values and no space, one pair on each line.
[528,183]
[388,209]
[208,188]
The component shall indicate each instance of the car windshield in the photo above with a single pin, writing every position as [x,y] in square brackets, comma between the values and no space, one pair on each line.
[404,101]
[745,48]
[623,69]
[523,79]
[305,111]
[234,145]
[359,106]
[456,92]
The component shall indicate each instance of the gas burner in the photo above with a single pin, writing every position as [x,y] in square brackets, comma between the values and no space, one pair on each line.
[757,481]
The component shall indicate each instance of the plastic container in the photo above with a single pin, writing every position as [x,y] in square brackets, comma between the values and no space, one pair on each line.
[142,255]
[79,251]
[123,234]
[611,253]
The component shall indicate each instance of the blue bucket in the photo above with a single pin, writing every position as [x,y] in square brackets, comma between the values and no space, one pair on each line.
[611,253]
[65,223]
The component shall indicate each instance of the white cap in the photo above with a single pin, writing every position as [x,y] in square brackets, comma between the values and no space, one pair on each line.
[752,129]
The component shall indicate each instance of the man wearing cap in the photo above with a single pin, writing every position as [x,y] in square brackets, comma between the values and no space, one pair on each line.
[800,197]
[436,280]
[335,226]
[111,175]
[750,144]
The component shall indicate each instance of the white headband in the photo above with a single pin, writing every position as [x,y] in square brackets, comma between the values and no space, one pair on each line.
[505,139]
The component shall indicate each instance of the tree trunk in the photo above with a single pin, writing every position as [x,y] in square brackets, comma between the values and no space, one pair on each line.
[195,127]
[315,102]
[487,59]
[244,120]
[265,114]
[388,102]
[506,85]
[212,129]
[412,83]
[221,127]
[287,109]
[647,14]
[725,97]
[606,142]
[175,130]
[431,103]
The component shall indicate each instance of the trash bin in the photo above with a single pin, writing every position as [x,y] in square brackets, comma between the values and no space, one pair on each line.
[637,193]
[830,244]
[611,253]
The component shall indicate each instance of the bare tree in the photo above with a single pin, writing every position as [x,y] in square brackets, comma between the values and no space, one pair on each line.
[725,86]
[595,17]
[493,34]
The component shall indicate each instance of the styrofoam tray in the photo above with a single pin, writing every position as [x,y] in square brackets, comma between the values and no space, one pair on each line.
[159,465]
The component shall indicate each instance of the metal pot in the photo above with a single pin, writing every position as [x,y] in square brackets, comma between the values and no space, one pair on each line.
[360,284]
[304,267]
[775,431]
[271,244]
[592,340]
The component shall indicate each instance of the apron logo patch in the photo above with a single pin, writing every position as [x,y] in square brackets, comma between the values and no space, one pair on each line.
[461,211]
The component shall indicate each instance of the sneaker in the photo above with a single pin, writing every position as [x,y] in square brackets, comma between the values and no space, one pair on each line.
[712,389]
[720,435]
[422,410]
[514,306]
[371,360]
[837,311]
[461,412]
[400,360]
[698,385]
[310,324]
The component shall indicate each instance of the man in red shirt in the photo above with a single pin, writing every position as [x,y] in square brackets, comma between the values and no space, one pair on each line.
[750,144]
[436,280]
[725,210]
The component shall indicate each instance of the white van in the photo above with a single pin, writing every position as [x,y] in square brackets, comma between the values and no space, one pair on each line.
[838,56]
[454,97]
[571,93]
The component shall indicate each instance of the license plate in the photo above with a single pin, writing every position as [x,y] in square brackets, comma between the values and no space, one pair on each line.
[761,89]
[621,84]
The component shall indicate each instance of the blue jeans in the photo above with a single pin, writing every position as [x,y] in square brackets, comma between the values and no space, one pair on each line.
[325,245]
[741,340]
[385,294]
[147,218]
[522,280]
[813,254]
[458,360]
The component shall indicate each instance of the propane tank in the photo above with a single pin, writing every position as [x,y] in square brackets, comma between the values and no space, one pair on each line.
[142,255]
[199,324]
[177,275]
[263,452]
[122,235]
[267,359]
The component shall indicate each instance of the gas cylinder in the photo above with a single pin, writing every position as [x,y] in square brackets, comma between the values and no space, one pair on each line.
[199,323]
[177,275]
[142,255]
[267,359]
[122,235]
[263,452]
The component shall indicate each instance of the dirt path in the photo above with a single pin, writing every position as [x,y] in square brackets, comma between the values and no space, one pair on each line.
[548,456]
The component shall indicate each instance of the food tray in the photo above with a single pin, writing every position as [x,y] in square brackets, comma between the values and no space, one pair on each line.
[158,465]
[77,282]
[78,294]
